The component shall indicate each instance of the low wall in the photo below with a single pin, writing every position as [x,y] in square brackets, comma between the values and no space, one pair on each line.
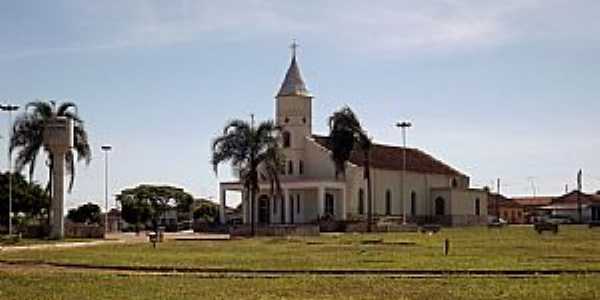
[74,230]
[276,230]
[468,220]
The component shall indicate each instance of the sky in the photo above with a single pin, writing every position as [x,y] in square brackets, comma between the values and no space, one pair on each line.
[497,89]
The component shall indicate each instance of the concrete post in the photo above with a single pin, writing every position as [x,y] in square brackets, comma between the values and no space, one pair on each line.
[58,139]
[321,200]
[245,208]
[286,200]
[343,202]
[57,224]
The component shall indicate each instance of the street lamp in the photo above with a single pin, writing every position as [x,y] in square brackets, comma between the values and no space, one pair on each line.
[404,125]
[106,149]
[9,108]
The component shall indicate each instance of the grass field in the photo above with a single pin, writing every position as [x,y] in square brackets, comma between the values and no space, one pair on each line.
[70,285]
[471,248]
[515,248]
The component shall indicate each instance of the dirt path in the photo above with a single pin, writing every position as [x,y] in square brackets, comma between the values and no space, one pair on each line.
[265,273]
[60,245]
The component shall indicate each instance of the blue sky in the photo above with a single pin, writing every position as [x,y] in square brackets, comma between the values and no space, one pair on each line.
[505,89]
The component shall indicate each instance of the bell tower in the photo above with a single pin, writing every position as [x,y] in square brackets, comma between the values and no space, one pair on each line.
[293,106]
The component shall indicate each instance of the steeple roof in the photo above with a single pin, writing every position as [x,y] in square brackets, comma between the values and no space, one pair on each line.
[293,84]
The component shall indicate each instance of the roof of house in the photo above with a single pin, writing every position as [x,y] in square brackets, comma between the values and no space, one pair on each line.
[574,196]
[391,158]
[533,201]
[502,201]
[293,84]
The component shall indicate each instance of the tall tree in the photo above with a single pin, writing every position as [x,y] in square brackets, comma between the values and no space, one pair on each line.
[346,135]
[29,198]
[254,152]
[88,213]
[27,137]
[149,202]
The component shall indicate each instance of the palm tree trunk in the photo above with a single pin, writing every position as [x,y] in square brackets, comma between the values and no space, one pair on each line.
[252,221]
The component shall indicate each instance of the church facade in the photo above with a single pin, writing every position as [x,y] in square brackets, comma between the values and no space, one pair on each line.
[427,191]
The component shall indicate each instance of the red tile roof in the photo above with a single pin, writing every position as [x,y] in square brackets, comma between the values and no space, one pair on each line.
[391,158]
[572,198]
[533,201]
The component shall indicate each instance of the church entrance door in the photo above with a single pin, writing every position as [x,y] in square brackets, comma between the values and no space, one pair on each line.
[263,210]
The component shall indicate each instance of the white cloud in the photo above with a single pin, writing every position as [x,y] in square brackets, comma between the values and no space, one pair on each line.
[382,26]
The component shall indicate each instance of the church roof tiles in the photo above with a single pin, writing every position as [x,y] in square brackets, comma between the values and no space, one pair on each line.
[391,158]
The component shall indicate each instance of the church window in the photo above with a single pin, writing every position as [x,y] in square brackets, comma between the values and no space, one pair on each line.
[413,203]
[298,203]
[304,120]
[274,205]
[388,202]
[477,207]
[454,183]
[361,201]
[301,167]
[286,139]
[290,167]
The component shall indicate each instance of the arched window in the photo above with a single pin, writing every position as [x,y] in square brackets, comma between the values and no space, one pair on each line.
[454,183]
[413,203]
[290,167]
[274,205]
[300,167]
[477,207]
[286,139]
[361,201]
[388,202]
[439,206]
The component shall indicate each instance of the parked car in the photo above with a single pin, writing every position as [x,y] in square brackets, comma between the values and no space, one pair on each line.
[557,219]
[496,222]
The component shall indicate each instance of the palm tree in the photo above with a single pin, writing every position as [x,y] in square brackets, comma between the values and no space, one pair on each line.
[345,135]
[27,137]
[253,152]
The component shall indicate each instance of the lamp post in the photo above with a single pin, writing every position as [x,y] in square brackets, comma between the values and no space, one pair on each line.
[9,108]
[106,149]
[403,125]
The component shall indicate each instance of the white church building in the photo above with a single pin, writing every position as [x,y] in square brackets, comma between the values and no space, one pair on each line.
[433,192]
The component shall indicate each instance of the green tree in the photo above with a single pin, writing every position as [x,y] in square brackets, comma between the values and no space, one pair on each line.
[149,202]
[345,136]
[29,198]
[207,212]
[88,213]
[253,151]
[27,137]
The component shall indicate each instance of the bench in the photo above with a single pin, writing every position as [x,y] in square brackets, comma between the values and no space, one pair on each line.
[543,226]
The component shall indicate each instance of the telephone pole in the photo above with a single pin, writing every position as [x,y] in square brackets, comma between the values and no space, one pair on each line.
[404,126]
[9,108]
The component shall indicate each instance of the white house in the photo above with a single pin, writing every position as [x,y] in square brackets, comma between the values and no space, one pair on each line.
[432,190]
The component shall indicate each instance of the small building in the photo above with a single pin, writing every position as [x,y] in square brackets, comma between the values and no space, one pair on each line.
[507,209]
[567,205]
[532,206]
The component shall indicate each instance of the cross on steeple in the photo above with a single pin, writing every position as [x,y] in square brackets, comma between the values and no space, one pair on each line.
[294,46]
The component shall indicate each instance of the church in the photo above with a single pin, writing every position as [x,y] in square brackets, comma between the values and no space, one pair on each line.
[422,190]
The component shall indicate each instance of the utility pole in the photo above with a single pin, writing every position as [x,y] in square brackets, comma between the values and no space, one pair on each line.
[9,108]
[497,198]
[106,149]
[403,126]
[579,184]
